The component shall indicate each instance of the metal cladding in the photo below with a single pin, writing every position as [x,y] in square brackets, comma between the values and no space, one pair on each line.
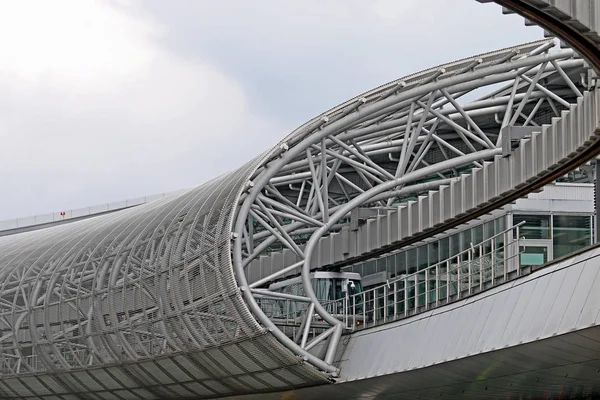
[164,300]
[410,159]
[140,303]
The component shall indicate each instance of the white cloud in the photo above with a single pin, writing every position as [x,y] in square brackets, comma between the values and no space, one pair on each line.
[393,9]
[101,100]
[92,103]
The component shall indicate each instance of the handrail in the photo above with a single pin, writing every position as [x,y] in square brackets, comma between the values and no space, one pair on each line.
[76,213]
[461,273]
[452,257]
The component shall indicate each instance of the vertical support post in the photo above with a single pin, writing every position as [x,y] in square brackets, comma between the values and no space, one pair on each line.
[447,281]
[405,296]
[385,296]
[353,311]
[426,288]
[596,199]
[345,303]
[470,269]
[374,301]
[437,284]
[458,268]
[395,298]
[493,259]
[364,308]
[507,248]
[518,252]
[416,280]
[481,267]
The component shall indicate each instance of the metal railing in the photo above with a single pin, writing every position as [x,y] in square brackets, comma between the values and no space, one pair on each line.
[482,266]
[40,219]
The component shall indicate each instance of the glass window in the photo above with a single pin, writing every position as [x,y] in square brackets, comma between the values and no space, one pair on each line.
[570,233]
[401,263]
[534,255]
[454,244]
[370,267]
[411,261]
[382,264]
[324,289]
[433,249]
[500,226]
[359,269]
[422,257]
[391,265]
[535,227]
[465,240]
[444,249]
[488,232]
[478,234]
[488,229]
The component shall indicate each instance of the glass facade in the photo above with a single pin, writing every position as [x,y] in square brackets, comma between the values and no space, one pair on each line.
[535,227]
[570,233]
[543,238]
[418,258]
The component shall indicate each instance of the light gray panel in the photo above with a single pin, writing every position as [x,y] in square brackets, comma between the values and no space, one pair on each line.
[156,373]
[406,344]
[420,342]
[433,334]
[563,297]
[474,314]
[481,320]
[517,313]
[493,324]
[438,343]
[589,312]
[376,351]
[584,285]
[545,305]
[531,307]
[461,317]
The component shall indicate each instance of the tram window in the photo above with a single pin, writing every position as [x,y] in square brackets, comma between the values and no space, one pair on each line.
[339,292]
[335,289]
[354,287]
[324,289]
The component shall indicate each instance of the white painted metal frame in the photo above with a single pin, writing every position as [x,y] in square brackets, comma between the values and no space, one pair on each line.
[401,139]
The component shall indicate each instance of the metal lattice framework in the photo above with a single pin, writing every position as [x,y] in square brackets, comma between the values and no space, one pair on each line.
[144,300]
[163,300]
[378,149]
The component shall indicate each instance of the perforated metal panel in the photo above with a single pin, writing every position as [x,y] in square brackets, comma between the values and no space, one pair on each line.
[141,298]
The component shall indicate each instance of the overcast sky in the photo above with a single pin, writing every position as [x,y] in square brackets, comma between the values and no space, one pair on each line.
[108,100]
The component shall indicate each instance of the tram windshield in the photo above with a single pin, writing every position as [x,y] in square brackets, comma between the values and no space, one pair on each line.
[335,288]
[328,286]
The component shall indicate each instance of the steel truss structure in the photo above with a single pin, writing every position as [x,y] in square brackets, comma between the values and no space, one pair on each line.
[159,301]
[396,142]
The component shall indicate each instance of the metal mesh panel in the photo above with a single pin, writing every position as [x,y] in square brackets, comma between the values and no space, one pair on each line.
[154,282]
